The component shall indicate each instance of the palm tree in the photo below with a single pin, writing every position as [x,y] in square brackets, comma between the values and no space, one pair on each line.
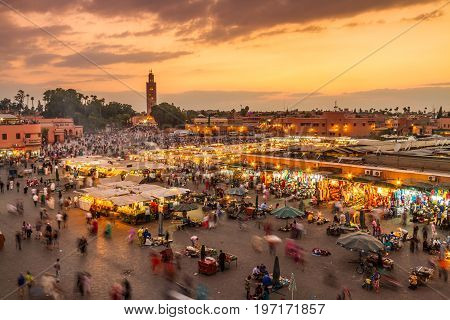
[27,95]
[32,102]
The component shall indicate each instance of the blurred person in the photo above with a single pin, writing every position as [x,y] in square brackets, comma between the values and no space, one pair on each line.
[57,267]
[116,291]
[21,285]
[126,289]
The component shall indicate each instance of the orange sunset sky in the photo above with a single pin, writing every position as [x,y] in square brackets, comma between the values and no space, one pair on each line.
[222,54]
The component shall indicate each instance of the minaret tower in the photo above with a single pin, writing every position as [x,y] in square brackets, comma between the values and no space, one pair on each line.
[151,92]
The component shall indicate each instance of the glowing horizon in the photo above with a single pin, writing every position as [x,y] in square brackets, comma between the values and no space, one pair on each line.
[228,53]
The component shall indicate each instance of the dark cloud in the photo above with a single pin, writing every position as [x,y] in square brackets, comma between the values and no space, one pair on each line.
[307,29]
[107,58]
[437,84]
[155,30]
[354,24]
[429,15]
[40,59]
[20,41]
[220,20]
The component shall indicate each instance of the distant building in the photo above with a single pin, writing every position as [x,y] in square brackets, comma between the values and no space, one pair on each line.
[59,129]
[239,125]
[328,124]
[144,120]
[19,137]
[442,126]
[151,92]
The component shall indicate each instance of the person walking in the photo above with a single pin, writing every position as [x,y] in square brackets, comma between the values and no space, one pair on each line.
[21,285]
[222,257]
[29,280]
[18,186]
[247,286]
[203,252]
[18,240]
[2,186]
[59,219]
[35,199]
[65,218]
[57,267]
[2,240]
[126,289]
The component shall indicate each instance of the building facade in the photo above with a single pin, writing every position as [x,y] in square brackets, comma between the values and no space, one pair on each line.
[19,137]
[328,124]
[57,129]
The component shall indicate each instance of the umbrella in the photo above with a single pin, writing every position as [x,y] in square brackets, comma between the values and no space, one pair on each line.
[287,212]
[272,239]
[237,191]
[276,272]
[185,207]
[360,241]
[257,243]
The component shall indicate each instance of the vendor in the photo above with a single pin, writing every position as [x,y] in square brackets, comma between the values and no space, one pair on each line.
[256,272]
[146,234]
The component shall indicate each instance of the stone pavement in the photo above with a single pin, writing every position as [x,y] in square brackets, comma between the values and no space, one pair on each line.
[109,260]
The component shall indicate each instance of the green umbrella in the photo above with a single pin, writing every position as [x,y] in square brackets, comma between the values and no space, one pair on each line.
[185,207]
[360,241]
[287,212]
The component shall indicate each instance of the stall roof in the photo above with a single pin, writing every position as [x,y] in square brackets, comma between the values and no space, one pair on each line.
[110,180]
[105,193]
[121,184]
[125,200]
[165,193]
[134,178]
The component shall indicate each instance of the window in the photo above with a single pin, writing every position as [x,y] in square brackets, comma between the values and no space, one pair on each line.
[17,135]
[315,124]
[27,135]
[323,124]
[354,124]
[4,136]
[364,124]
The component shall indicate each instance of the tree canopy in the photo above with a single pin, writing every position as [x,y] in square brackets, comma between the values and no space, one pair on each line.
[167,115]
[89,111]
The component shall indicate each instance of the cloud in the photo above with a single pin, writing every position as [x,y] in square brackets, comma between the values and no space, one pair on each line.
[417,97]
[307,29]
[155,30]
[20,41]
[220,20]
[430,15]
[437,84]
[106,58]
[354,24]
[40,59]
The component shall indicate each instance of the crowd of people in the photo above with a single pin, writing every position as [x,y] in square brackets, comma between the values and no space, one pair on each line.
[211,187]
